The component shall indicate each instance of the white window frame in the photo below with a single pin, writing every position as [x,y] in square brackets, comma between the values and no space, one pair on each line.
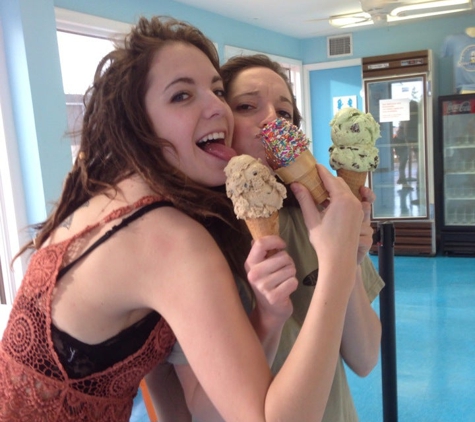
[90,25]
[13,220]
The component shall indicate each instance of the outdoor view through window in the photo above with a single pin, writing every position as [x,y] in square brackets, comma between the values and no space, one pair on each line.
[79,56]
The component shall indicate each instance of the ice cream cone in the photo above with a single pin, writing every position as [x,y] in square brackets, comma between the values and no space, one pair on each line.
[304,171]
[264,226]
[353,179]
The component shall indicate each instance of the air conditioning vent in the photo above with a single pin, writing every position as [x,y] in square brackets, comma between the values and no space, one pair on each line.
[341,45]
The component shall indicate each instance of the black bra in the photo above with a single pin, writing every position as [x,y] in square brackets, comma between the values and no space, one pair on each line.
[80,359]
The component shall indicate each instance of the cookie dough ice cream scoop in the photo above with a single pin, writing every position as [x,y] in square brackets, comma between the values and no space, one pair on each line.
[256,195]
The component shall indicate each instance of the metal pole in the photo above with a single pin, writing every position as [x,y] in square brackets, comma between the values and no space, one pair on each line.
[387,312]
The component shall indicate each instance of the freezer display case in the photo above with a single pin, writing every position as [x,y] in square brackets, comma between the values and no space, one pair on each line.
[455,174]
[398,93]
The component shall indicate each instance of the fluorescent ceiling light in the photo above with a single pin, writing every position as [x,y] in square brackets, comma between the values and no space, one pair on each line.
[351,20]
[437,6]
[428,9]
[423,15]
[410,11]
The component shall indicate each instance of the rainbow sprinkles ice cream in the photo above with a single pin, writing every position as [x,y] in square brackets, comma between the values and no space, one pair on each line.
[288,155]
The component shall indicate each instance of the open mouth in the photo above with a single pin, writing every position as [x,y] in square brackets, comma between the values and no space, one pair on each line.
[213,138]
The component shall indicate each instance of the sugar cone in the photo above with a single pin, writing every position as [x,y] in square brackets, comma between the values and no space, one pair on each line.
[303,170]
[264,226]
[354,179]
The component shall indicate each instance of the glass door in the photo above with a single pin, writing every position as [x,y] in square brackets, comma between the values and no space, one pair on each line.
[458,136]
[400,181]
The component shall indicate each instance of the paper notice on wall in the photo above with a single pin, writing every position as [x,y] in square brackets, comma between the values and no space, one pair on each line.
[394,110]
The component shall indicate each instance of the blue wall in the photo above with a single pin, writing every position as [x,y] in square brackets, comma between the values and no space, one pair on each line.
[35,75]
[324,86]
[29,31]
[389,39]
[220,29]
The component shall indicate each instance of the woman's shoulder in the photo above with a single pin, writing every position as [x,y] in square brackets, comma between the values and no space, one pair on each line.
[174,221]
[172,233]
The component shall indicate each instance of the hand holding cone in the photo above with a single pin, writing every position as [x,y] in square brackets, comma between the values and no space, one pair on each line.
[354,180]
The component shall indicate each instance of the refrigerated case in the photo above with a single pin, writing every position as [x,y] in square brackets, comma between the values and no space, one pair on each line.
[455,174]
[398,93]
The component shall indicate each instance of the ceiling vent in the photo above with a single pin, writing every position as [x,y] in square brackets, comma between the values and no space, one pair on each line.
[340,45]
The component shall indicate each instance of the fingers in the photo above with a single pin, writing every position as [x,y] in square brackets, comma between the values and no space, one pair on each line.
[366,234]
[275,294]
[261,247]
[272,281]
[366,212]
[307,205]
[367,194]
[331,182]
[271,271]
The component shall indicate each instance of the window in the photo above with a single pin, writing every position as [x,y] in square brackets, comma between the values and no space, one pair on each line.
[83,40]
[79,56]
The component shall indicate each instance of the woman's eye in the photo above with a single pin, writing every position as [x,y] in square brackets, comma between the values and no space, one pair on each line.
[244,107]
[181,96]
[286,115]
[220,92]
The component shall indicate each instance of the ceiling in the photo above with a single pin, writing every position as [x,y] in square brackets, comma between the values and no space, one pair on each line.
[297,18]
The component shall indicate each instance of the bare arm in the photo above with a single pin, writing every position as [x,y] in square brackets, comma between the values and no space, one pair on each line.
[272,281]
[198,298]
[167,394]
[362,333]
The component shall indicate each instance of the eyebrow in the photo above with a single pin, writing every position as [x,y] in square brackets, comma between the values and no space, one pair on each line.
[256,93]
[191,81]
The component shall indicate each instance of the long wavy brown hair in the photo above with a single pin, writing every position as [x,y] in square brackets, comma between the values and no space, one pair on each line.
[118,140]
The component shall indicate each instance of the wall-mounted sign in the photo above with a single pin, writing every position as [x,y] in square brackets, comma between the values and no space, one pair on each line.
[342,102]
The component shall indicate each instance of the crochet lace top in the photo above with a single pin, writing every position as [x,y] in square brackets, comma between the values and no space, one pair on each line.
[34,385]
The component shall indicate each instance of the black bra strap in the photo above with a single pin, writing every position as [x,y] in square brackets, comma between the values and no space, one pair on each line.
[125,222]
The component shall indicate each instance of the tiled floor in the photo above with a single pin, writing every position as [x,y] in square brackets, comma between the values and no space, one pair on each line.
[435,337]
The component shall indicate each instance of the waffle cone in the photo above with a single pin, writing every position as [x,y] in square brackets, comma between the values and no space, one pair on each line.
[304,171]
[265,226]
[354,179]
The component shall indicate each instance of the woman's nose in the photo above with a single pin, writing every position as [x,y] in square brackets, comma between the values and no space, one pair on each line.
[215,106]
[269,116]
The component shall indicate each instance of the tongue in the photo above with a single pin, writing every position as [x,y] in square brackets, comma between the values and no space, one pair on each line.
[220,151]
